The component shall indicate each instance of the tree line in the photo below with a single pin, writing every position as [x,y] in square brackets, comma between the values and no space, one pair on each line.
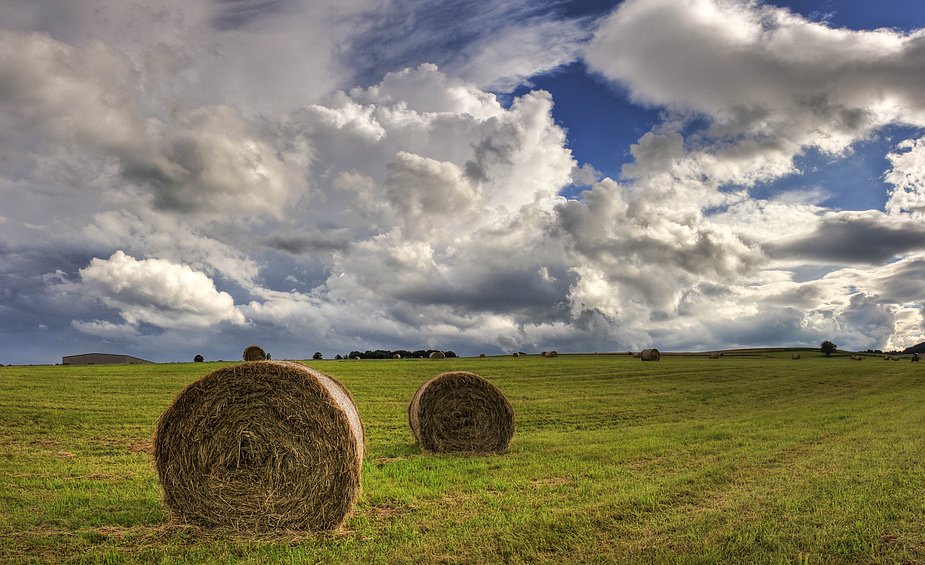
[389,354]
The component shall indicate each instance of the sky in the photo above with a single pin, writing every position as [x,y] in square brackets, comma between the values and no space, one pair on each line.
[184,177]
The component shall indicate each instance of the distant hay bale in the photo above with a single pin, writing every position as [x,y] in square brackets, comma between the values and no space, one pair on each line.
[650,355]
[714,356]
[438,355]
[461,412]
[637,355]
[481,355]
[254,353]
[550,354]
[516,354]
[544,353]
[396,356]
[260,447]
[795,356]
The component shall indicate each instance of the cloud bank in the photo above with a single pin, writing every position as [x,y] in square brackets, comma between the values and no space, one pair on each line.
[192,190]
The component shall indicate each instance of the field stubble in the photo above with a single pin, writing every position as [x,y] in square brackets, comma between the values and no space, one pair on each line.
[752,459]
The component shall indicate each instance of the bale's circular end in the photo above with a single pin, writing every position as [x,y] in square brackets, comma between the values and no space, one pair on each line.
[261,447]
[437,355]
[650,355]
[255,353]
[461,412]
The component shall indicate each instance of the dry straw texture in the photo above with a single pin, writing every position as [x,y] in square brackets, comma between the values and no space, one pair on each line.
[550,354]
[795,356]
[260,448]
[437,355]
[254,353]
[461,412]
[650,355]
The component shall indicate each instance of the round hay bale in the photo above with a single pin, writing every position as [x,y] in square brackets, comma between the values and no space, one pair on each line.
[481,355]
[543,353]
[437,355]
[795,356]
[516,354]
[461,412]
[254,353]
[650,355]
[550,354]
[714,356]
[396,356]
[261,447]
[636,355]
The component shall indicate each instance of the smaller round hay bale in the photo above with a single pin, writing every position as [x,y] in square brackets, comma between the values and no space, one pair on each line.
[886,357]
[650,355]
[543,353]
[795,356]
[260,447]
[550,354]
[254,353]
[396,356]
[437,355]
[714,356]
[637,355]
[461,412]
[516,354]
[481,355]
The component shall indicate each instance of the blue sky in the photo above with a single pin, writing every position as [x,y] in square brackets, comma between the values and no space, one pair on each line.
[187,178]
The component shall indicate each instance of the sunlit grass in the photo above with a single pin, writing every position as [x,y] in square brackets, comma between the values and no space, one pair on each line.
[746,459]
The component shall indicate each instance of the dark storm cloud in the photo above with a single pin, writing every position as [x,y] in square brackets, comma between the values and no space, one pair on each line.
[772,326]
[235,14]
[854,237]
[904,282]
[509,292]
[311,243]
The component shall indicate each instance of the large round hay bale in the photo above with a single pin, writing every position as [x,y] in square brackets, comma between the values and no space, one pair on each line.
[650,355]
[437,355]
[550,354]
[396,356]
[461,412]
[261,447]
[254,353]
[795,356]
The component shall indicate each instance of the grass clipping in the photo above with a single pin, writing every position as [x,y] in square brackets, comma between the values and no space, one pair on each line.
[261,447]
[461,412]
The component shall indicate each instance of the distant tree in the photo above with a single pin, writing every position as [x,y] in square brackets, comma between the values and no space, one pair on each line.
[828,348]
[338,357]
[198,359]
[317,355]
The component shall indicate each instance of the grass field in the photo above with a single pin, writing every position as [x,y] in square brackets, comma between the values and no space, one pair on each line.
[752,458]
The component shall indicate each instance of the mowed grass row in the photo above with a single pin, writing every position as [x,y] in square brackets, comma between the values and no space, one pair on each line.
[746,459]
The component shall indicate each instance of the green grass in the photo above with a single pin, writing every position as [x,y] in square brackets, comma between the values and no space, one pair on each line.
[752,458]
